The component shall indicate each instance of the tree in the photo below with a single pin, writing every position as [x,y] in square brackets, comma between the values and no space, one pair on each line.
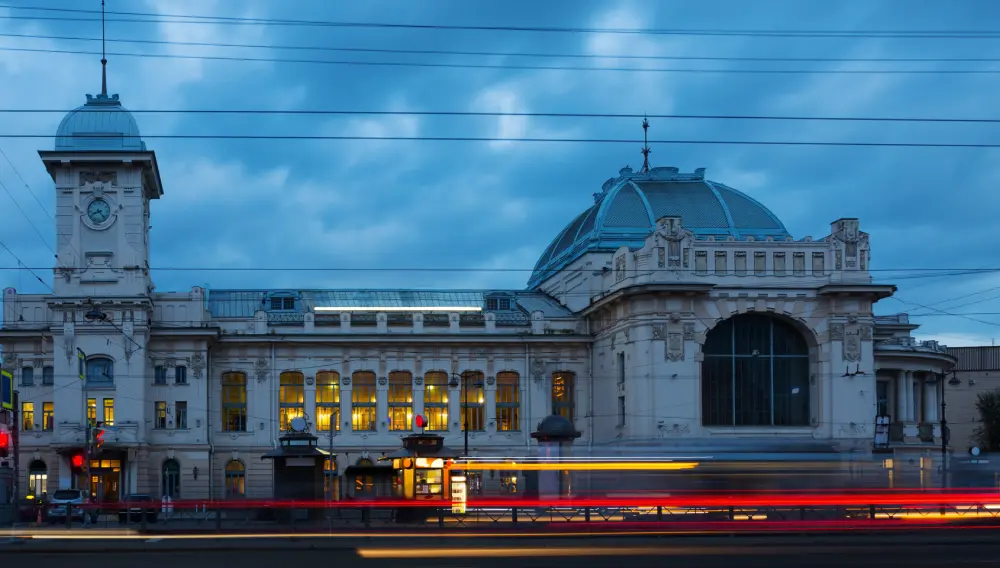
[987,434]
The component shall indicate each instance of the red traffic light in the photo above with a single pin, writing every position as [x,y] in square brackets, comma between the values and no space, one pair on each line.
[421,421]
[4,440]
[99,438]
[76,460]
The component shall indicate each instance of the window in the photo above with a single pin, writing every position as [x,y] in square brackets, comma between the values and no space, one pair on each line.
[48,416]
[100,371]
[755,372]
[38,478]
[473,401]
[181,375]
[436,400]
[27,376]
[160,375]
[400,401]
[363,402]
[160,414]
[234,402]
[760,263]
[236,480]
[327,400]
[92,410]
[564,395]
[171,479]
[819,265]
[109,412]
[621,410]
[620,358]
[48,375]
[721,262]
[282,303]
[27,416]
[779,264]
[291,398]
[498,304]
[882,398]
[508,401]
[180,415]
[508,484]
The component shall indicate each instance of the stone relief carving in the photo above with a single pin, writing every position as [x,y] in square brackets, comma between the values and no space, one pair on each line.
[10,361]
[197,365]
[382,381]
[675,347]
[677,430]
[98,177]
[260,367]
[866,333]
[490,380]
[418,380]
[538,369]
[658,330]
[688,331]
[837,332]
[852,345]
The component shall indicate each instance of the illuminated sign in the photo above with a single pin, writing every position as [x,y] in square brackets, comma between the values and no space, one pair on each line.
[458,495]
[6,390]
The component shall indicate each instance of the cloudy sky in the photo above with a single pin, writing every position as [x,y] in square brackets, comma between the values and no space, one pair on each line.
[493,205]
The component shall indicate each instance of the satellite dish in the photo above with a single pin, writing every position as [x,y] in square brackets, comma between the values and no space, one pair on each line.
[974,451]
[299,424]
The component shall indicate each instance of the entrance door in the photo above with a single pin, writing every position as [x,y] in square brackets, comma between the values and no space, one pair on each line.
[104,485]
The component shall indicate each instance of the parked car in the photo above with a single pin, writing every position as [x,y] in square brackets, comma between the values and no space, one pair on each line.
[133,507]
[76,500]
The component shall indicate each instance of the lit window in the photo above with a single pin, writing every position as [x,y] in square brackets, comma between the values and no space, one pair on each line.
[363,402]
[508,402]
[400,401]
[234,402]
[27,416]
[291,398]
[473,401]
[327,400]
[436,400]
[109,412]
[564,395]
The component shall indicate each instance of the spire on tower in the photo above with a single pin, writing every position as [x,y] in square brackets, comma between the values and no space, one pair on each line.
[104,58]
[645,145]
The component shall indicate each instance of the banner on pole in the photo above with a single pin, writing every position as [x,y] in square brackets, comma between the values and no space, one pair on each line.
[6,390]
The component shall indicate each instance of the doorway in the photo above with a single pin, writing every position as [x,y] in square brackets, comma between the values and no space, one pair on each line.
[105,480]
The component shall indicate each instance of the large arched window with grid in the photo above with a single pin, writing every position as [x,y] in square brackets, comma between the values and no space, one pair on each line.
[755,372]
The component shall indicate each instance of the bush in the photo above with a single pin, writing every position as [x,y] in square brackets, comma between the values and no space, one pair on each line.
[987,434]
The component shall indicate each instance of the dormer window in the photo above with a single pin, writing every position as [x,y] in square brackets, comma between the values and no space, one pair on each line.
[282,303]
[498,304]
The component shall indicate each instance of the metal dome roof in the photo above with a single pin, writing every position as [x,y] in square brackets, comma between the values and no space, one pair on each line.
[102,124]
[626,210]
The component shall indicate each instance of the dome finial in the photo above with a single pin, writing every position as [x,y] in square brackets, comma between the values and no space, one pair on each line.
[645,145]
[104,58]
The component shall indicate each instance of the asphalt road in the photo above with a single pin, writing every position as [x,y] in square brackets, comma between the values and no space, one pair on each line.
[953,550]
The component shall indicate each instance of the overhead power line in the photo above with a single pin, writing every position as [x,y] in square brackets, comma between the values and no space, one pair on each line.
[590,56]
[515,66]
[487,114]
[303,137]
[929,271]
[197,19]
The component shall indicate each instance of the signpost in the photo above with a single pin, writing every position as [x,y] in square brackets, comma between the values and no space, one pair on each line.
[6,390]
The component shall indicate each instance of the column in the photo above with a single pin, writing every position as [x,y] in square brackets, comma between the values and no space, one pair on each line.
[901,397]
[490,412]
[382,404]
[931,402]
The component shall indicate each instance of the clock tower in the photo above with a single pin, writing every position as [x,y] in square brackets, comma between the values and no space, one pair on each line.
[105,179]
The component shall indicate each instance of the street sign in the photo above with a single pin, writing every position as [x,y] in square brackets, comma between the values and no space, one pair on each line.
[6,390]
[81,363]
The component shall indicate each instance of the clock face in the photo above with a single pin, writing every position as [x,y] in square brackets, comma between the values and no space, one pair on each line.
[99,211]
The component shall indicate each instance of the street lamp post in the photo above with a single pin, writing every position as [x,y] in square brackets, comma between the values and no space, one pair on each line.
[945,434]
[458,380]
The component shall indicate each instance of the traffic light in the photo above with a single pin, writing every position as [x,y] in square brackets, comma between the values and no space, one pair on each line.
[76,462]
[4,444]
[98,437]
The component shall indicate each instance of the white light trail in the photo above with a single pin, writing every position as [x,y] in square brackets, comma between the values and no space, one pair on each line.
[415,309]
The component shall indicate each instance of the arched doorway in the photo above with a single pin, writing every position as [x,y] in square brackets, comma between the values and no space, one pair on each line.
[755,372]
[38,478]
[235,479]
[171,476]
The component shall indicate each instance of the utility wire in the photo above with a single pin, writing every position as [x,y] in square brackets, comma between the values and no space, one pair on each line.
[303,137]
[486,114]
[931,271]
[197,19]
[519,67]
[587,56]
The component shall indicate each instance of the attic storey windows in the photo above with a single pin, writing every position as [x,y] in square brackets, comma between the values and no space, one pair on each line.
[281,303]
[497,304]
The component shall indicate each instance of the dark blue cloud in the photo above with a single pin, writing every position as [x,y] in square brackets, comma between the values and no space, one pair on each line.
[438,204]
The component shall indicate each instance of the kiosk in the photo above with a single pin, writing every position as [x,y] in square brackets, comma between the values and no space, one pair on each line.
[298,471]
[421,472]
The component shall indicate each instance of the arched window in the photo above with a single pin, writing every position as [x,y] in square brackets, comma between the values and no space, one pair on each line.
[172,479]
[473,401]
[38,478]
[564,395]
[291,398]
[508,401]
[236,479]
[331,485]
[363,402]
[327,400]
[234,402]
[400,401]
[436,400]
[100,371]
[755,372]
